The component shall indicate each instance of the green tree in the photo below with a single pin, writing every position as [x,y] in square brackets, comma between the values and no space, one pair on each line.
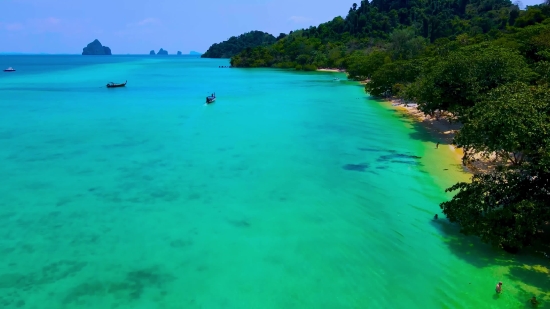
[512,122]
[457,81]
[390,78]
[543,69]
[404,44]
[391,24]
[532,16]
[235,45]
[507,207]
[361,66]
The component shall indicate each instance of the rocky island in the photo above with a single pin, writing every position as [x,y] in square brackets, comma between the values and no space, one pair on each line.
[162,52]
[95,48]
[152,53]
[179,53]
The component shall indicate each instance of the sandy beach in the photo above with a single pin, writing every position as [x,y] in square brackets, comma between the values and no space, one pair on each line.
[443,131]
[331,70]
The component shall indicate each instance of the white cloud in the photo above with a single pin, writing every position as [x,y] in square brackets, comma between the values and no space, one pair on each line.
[52,21]
[50,24]
[148,21]
[45,25]
[144,22]
[12,26]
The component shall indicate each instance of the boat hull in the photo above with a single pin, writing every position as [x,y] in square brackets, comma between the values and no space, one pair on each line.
[113,85]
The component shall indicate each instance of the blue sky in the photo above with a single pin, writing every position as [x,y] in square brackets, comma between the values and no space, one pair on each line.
[134,26]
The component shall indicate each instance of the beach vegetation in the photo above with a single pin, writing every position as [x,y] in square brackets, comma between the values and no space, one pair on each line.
[508,207]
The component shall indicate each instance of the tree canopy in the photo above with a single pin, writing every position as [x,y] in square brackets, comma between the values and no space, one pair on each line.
[456,81]
[510,206]
[403,26]
[235,45]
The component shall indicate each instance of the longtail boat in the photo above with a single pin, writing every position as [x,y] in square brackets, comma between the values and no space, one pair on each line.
[211,99]
[113,85]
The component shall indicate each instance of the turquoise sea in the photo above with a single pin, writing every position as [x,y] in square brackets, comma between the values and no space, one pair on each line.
[292,190]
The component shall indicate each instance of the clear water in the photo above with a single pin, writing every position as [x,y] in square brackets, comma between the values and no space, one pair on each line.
[291,191]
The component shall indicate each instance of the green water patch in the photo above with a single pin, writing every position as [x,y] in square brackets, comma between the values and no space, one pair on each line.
[290,191]
[525,274]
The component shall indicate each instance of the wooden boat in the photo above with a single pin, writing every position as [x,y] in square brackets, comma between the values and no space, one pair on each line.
[10,69]
[211,99]
[113,85]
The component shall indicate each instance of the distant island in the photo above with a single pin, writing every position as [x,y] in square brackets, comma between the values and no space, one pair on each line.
[161,52]
[235,45]
[194,53]
[179,53]
[95,48]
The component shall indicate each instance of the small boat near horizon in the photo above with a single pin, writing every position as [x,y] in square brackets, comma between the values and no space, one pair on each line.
[211,99]
[10,69]
[114,85]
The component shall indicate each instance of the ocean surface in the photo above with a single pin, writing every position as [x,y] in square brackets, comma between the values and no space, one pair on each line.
[292,190]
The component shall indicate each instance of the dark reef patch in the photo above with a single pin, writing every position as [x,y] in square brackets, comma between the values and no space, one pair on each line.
[239,223]
[130,288]
[356,167]
[394,157]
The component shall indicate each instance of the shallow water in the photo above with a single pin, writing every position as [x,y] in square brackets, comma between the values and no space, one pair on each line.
[291,191]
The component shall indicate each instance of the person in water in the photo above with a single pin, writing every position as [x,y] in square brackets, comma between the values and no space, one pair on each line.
[534,301]
[498,288]
[436,217]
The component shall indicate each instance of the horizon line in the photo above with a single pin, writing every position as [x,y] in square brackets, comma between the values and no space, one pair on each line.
[79,54]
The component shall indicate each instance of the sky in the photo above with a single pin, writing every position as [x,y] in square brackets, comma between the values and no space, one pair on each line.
[138,26]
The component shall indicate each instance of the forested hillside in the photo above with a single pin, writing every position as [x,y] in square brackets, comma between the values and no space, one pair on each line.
[374,24]
[485,64]
[235,45]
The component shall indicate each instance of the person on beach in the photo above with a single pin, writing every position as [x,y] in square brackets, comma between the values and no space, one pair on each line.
[437,145]
[498,288]
[534,301]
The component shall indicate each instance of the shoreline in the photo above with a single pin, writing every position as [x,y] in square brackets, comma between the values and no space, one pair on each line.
[442,131]
[331,70]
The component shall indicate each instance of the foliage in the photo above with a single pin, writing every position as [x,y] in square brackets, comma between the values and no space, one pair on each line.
[361,66]
[235,45]
[533,15]
[404,44]
[401,27]
[390,77]
[458,80]
[512,121]
[507,207]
